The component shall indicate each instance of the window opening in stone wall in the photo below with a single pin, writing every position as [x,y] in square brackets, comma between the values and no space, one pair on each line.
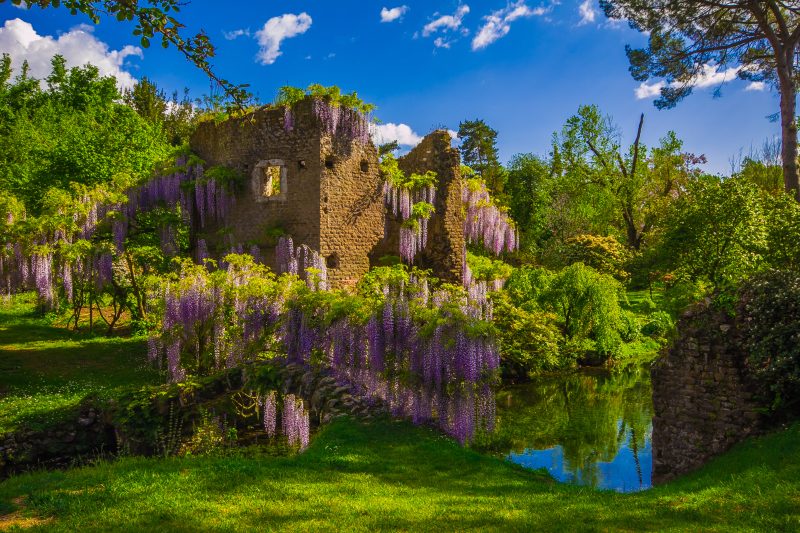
[271,182]
[364,165]
[329,162]
[332,261]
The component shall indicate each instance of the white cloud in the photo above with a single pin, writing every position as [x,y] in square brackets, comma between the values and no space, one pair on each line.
[390,15]
[709,76]
[498,23]
[402,133]
[231,35]
[648,90]
[756,86]
[275,31]
[446,22]
[78,46]
[587,12]
[441,42]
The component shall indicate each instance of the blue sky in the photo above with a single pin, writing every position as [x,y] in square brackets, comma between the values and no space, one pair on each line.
[523,66]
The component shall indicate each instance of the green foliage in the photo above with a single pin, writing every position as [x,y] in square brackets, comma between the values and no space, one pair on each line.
[73,134]
[718,232]
[289,96]
[529,198]
[529,340]
[587,304]
[659,325]
[487,269]
[604,254]
[391,173]
[629,329]
[479,152]
[528,285]
[769,310]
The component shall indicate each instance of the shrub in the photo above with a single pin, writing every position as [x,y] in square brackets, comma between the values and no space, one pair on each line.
[587,304]
[629,327]
[679,296]
[528,340]
[769,310]
[604,254]
[526,286]
[659,325]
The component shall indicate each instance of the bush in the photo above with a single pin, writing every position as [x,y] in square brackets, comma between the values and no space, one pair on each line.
[629,327]
[769,310]
[659,325]
[527,285]
[679,296]
[604,254]
[587,304]
[529,340]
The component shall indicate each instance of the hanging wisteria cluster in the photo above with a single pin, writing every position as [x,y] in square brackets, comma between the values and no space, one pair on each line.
[297,261]
[401,201]
[485,223]
[295,421]
[40,264]
[342,121]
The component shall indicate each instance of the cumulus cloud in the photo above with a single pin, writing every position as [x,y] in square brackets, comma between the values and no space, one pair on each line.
[441,42]
[445,22]
[498,23]
[79,46]
[587,12]
[756,86]
[392,14]
[275,31]
[709,76]
[402,133]
[231,35]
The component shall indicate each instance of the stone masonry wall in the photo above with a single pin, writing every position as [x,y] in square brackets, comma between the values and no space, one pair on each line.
[351,209]
[332,202]
[444,253]
[702,396]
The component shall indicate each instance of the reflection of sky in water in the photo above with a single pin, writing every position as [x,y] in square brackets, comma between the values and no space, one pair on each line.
[619,474]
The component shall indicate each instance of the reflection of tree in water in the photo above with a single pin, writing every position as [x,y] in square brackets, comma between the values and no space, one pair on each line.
[589,415]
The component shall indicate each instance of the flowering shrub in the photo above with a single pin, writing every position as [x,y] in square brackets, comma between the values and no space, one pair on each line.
[423,349]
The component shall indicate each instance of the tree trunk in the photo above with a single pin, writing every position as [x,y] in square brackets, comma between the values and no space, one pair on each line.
[789,137]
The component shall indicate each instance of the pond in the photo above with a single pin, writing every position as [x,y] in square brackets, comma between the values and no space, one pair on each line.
[591,428]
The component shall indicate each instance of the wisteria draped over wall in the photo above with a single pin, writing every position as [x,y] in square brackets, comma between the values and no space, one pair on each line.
[341,121]
[485,223]
[413,232]
[298,260]
[426,355]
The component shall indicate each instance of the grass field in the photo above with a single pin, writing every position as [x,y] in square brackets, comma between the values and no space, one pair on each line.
[46,370]
[381,476]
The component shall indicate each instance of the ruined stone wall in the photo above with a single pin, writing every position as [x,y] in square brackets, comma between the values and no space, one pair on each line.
[351,209]
[703,398]
[444,253]
[332,201]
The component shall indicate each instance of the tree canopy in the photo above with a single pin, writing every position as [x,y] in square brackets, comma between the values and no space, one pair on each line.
[686,37]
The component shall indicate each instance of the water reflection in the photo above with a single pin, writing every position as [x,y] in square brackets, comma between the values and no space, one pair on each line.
[588,428]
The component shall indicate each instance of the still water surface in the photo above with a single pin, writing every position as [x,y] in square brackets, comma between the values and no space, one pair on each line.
[589,428]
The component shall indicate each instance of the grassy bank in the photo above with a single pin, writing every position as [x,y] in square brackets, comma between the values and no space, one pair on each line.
[389,476]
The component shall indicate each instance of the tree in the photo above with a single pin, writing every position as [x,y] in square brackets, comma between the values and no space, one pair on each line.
[636,183]
[761,38]
[528,190]
[153,19]
[479,152]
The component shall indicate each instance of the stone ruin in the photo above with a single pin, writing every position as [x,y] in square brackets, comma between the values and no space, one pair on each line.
[325,190]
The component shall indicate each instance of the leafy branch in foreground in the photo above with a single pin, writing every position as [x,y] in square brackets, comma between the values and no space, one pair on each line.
[153,19]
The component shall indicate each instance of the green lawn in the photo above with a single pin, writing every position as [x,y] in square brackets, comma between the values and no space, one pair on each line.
[381,476]
[389,476]
[45,370]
